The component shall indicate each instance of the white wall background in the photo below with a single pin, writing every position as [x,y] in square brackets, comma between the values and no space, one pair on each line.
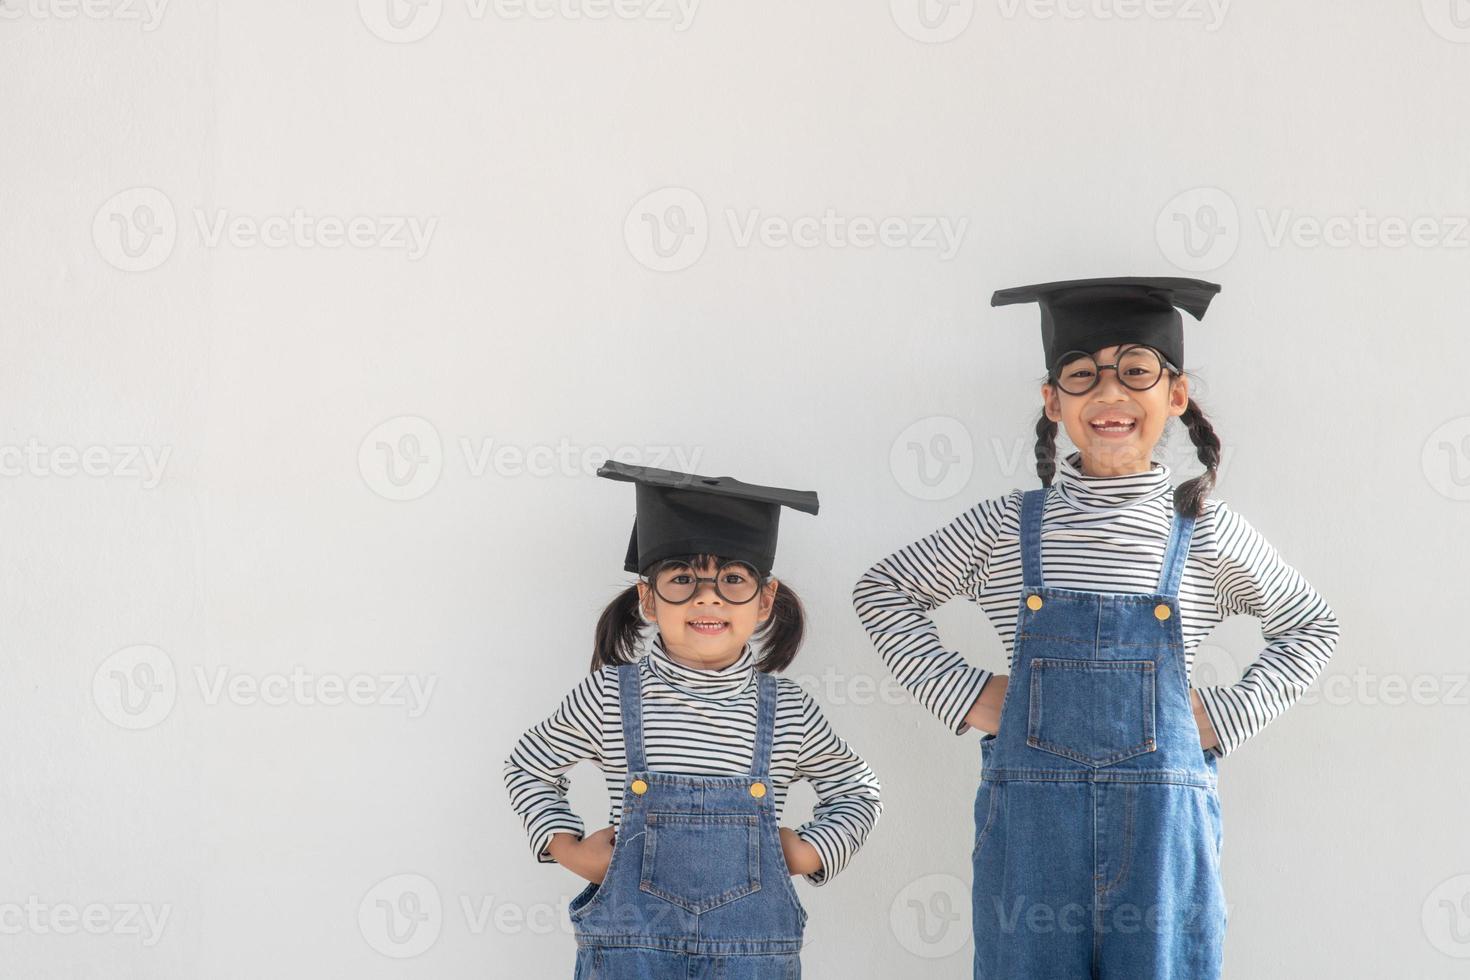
[147,605]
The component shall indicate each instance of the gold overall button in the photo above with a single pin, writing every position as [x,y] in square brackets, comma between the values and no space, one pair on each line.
[1033,602]
[757,790]
[640,787]
[1161,611]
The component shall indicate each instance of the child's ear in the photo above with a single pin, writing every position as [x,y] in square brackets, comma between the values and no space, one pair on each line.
[768,599]
[646,610]
[1179,395]
[1049,402]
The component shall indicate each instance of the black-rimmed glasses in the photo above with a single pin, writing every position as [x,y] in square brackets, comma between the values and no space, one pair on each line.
[676,582]
[1138,367]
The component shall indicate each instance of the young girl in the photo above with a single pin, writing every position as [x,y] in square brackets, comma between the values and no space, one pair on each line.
[1098,831]
[699,742]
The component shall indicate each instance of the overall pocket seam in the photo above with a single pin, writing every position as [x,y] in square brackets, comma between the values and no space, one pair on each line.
[650,855]
[1145,669]
[990,809]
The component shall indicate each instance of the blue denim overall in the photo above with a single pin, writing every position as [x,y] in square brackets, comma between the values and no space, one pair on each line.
[698,886]
[1098,833]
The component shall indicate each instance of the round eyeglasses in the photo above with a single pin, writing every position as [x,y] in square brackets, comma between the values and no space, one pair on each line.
[676,582]
[1138,367]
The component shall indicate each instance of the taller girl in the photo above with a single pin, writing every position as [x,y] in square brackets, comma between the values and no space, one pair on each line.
[1098,828]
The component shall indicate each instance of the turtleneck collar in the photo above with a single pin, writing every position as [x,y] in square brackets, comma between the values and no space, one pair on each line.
[726,682]
[1105,493]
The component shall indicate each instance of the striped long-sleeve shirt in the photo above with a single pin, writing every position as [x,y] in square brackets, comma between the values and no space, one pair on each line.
[1102,534]
[701,723]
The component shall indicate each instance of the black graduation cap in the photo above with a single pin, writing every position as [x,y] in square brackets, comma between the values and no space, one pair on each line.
[1090,314]
[686,514]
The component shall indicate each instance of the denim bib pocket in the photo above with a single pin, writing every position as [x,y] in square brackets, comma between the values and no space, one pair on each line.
[1097,712]
[676,865]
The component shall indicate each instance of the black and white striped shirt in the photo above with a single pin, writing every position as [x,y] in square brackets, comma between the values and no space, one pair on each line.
[701,723]
[1103,534]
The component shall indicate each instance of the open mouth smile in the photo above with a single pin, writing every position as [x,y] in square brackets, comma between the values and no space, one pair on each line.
[1113,428]
[708,627]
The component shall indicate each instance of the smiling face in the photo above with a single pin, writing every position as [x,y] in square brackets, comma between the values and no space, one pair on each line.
[707,632]
[1138,417]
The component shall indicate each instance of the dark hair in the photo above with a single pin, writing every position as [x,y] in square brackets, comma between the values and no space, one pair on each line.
[1189,496]
[620,627]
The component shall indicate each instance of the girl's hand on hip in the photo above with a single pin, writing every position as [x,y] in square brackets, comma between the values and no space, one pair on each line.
[801,857]
[984,714]
[1207,737]
[588,857]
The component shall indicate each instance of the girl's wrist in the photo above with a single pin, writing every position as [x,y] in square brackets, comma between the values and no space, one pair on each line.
[560,844]
[801,857]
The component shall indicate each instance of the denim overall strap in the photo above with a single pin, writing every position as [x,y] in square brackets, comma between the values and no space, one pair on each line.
[765,724]
[1172,574]
[631,701]
[1033,503]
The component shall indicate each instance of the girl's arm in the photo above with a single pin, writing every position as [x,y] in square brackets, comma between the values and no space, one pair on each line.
[893,599]
[1300,628]
[535,772]
[847,791]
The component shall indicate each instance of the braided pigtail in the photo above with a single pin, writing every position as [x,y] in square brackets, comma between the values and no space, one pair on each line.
[1046,449]
[1189,497]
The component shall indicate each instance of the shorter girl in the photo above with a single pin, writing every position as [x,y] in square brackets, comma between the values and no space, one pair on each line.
[699,742]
